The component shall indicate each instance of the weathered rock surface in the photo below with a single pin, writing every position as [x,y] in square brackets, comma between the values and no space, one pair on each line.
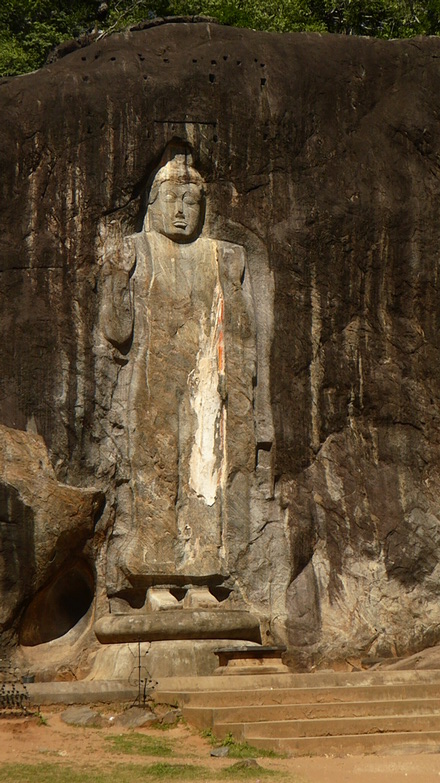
[134,718]
[321,161]
[82,716]
[43,526]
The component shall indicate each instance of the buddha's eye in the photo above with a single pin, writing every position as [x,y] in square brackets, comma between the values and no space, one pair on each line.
[190,200]
[169,197]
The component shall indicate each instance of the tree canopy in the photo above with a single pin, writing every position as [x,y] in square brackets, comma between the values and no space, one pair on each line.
[30,29]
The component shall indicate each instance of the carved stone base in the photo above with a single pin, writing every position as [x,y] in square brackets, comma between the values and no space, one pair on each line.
[159,598]
[180,658]
[178,624]
[199,598]
[251,660]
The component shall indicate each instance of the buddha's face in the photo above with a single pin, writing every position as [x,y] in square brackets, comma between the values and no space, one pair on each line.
[176,211]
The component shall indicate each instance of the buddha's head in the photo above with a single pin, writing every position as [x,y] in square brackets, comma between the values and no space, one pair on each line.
[176,202]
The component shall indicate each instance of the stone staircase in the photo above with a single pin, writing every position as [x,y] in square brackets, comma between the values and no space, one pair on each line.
[326,713]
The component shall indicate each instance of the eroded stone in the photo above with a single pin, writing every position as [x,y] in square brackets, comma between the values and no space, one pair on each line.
[44,524]
[82,716]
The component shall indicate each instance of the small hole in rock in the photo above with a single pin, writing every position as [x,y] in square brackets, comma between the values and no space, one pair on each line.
[213,62]
[215,138]
[178,592]
[166,60]
[262,65]
[85,78]
[211,78]
[84,59]
[220,592]
[134,598]
[263,82]
[194,61]
[226,57]
[113,59]
[238,62]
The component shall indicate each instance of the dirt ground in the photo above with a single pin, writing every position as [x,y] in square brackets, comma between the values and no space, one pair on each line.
[28,741]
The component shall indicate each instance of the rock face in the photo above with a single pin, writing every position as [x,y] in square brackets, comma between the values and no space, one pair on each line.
[254,385]
[44,526]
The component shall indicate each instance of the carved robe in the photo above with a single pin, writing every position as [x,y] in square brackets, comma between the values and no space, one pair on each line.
[192,365]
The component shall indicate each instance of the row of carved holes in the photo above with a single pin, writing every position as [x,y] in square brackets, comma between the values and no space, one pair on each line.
[166,60]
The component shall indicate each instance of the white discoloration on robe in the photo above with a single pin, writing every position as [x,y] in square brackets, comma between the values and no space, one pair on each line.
[206,402]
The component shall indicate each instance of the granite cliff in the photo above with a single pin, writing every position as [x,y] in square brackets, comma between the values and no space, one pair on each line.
[319,160]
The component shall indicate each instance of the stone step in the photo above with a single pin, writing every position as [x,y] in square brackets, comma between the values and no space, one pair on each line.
[81,692]
[203,717]
[353,744]
[328,727]
[316,714]
[214,699]
[321,679]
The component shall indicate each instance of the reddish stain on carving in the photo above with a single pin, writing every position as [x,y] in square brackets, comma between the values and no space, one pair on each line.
[221,341]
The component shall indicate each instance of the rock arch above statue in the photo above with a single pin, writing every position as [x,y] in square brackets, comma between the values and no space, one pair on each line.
[179,304]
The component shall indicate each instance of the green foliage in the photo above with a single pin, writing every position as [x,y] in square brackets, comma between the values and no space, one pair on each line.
[209,735]
[29,29]
[13,58]
[42,721]
[380,18]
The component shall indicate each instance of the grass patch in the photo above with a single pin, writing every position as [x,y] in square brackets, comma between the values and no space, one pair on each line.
[127,773]
[164,771]
[49,773]
[240,750]
[250,773]
[135,744]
